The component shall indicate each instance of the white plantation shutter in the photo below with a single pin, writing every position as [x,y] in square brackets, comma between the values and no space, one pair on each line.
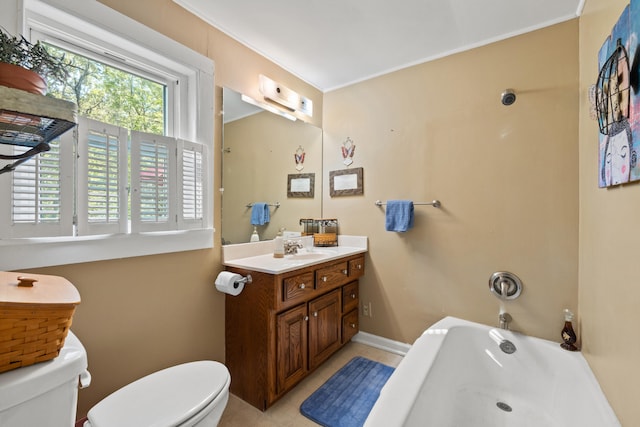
[168,181]
[192,182]
[41,192]
[153,182]
[102,178]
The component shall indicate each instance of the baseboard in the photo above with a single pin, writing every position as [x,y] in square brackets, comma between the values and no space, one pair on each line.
[382,343]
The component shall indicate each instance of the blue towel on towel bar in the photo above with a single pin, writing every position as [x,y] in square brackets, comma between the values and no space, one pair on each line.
[260,214]
[399,216]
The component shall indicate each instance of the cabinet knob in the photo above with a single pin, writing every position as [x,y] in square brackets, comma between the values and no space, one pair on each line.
[306,318]
[359,266]
[345,272]
[353,296]
[315,314]
[353,325]
[301,285]
[324,278]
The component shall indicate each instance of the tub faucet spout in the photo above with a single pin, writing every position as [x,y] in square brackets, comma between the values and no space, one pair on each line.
[505,319]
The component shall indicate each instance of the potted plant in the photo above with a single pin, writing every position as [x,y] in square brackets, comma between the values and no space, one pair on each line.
[25,65]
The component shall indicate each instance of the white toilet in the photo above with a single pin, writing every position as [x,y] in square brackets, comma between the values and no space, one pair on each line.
[46,394]
[191,394]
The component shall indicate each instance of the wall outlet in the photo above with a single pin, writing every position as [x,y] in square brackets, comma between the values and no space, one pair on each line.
[366,309]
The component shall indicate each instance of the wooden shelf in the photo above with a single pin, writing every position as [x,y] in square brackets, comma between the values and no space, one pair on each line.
[27,119]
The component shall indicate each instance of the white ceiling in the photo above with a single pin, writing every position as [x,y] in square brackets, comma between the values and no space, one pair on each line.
[335,43]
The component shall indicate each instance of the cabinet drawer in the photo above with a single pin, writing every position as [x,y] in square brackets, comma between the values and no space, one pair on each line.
[356,267]
[350,325]
[297,287]
[331,276]
[350,297]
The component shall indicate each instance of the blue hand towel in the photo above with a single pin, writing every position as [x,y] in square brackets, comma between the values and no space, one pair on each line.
[399,216]
[260,214]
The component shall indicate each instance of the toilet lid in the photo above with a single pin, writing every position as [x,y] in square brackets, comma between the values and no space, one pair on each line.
[164,398]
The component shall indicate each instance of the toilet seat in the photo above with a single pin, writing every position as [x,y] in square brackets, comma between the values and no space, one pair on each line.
[168,397]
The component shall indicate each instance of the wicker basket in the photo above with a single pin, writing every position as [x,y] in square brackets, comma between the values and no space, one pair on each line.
[34,320]
[325,239]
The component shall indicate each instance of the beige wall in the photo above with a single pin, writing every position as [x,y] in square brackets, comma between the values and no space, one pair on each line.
[507,178]
[609,294]
[141,314]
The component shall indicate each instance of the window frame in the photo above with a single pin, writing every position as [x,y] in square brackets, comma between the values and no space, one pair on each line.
[93,23]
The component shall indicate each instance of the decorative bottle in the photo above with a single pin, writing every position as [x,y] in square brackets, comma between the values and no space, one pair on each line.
[568,334]
[278,250]
[254,236]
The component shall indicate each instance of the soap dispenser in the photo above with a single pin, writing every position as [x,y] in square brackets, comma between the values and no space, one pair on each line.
[254,235]
[278,250]
[568,334]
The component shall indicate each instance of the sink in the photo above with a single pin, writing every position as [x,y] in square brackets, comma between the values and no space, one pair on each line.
[259,256]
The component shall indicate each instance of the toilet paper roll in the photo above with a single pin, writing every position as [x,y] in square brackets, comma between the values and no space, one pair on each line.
[229,283]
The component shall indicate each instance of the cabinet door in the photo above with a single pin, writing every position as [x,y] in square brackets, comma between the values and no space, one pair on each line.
[349,325]
[291,347]
[325,324]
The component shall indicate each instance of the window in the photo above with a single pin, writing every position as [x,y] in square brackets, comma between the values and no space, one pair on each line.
[118,94]
[137,170]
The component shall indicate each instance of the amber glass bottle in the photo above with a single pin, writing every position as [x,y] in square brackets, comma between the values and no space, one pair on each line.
[568,334]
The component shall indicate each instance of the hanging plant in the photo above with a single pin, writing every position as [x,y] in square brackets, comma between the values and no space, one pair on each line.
[25,65]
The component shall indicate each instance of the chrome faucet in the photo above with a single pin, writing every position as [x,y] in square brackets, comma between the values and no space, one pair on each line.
[291,247]
[505,319]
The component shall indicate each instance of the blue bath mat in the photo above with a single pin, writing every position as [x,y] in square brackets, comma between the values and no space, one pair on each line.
[346,399]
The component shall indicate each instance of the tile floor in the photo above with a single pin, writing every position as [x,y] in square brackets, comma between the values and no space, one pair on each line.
[286,411]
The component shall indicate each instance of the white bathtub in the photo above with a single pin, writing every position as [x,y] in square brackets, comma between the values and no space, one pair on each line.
[456,375]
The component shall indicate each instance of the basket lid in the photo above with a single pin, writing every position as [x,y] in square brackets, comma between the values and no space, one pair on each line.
[45,290]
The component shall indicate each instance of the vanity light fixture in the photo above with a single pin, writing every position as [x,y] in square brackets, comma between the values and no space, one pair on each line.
[284,96]
[269,108]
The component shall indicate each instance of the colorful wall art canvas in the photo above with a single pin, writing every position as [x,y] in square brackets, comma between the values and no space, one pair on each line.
[618,101]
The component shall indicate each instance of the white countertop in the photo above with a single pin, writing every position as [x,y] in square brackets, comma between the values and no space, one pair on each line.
[259,256]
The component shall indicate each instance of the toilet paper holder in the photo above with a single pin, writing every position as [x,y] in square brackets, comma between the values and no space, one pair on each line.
[245,279]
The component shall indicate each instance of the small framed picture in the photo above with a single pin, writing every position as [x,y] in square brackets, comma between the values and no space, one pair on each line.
[346,182]
[301,184]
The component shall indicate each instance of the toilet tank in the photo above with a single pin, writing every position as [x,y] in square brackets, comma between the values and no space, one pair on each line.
[45,394]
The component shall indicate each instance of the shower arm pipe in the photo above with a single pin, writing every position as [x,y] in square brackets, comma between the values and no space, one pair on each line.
[434,203]
[275,205]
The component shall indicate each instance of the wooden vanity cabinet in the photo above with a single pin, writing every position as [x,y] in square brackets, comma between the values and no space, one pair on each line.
[283,326]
